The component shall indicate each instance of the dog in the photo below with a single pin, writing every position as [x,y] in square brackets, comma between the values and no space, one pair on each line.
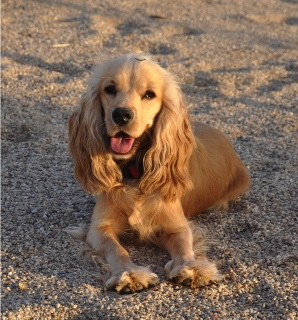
[150,169]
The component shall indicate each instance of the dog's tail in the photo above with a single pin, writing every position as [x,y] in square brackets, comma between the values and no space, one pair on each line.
[79,232]
[201,239]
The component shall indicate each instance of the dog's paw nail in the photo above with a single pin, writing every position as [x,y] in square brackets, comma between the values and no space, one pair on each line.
[139,287]
[187,282]
[154,281]
[126,289]
[176,280]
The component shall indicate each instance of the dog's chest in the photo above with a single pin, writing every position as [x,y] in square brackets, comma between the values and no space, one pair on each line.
[136,219]
[144,218]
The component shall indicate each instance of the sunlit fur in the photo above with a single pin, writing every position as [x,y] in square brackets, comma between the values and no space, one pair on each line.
[187,168]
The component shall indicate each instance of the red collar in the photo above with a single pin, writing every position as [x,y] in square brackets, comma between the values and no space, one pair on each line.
[134,171]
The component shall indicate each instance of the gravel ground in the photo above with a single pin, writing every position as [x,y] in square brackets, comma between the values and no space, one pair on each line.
[237,64]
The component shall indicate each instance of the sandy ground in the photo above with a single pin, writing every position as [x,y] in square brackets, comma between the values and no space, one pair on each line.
[237,64]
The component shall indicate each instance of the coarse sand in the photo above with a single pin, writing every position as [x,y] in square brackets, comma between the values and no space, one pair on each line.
[237,63]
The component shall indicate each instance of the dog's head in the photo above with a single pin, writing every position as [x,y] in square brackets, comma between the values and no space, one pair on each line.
[133,108]
[130,91]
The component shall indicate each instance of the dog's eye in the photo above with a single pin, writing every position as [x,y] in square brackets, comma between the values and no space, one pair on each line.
[149,95]
[111,90]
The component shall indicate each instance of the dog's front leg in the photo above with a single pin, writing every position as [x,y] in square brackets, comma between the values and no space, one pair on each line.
[107,223]
[185,267]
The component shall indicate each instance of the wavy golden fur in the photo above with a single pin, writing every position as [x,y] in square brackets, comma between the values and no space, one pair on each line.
[136,150]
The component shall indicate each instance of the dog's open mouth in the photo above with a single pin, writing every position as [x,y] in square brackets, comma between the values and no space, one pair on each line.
[122,143]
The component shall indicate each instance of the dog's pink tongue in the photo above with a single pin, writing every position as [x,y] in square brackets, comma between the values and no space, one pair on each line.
[122,145]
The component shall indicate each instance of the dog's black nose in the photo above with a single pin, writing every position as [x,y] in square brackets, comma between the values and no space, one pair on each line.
[122,116]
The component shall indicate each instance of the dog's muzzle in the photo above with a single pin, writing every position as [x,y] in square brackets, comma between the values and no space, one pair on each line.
[122,116]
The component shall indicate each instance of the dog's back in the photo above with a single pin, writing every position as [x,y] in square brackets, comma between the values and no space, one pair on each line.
[218,175]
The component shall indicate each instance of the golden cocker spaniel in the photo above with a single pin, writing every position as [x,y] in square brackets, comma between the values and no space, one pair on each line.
[135,149]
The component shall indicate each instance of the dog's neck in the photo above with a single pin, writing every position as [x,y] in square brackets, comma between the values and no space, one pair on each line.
[132,170]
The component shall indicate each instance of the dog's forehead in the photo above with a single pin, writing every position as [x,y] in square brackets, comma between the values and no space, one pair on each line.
[147,74]
[149,70]
[135,73]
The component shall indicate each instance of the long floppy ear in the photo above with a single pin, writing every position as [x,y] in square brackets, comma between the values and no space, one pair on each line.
[94,167]
[166,164]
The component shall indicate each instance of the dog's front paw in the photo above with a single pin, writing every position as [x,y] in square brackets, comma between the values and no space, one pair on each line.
[133,280]
[196,273]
